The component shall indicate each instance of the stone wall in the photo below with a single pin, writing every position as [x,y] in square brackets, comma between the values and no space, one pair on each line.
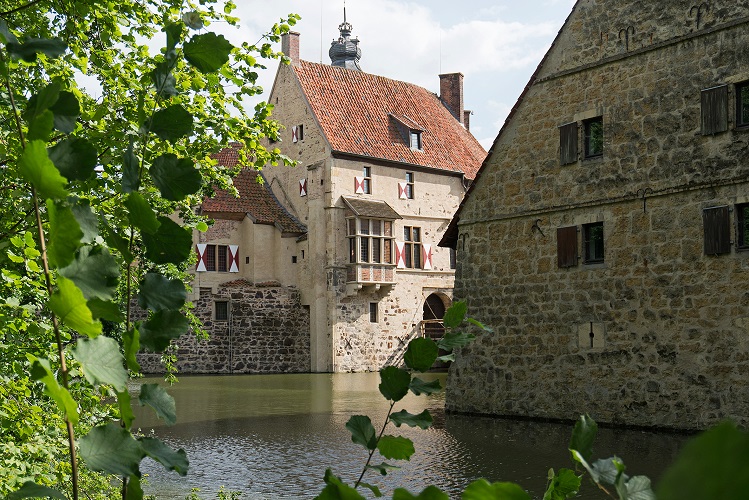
[267,332]
[657,334]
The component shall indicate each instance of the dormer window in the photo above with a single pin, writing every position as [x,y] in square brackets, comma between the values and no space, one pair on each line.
[415,140]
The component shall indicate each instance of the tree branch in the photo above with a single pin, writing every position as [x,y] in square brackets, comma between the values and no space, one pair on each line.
[12,11]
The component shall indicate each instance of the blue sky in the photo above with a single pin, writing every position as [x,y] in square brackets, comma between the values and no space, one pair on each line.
[495,44]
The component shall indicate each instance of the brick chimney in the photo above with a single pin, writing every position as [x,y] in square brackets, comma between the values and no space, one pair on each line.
[290,46]
[451,94]
[467,119]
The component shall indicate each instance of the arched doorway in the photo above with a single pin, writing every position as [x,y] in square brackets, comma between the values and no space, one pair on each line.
[434,310]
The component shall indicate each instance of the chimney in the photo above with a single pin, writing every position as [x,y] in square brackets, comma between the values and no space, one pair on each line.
[451,94]
[467,119]
[290,46]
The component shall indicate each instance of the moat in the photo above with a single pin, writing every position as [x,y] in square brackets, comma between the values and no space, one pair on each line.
[273,436]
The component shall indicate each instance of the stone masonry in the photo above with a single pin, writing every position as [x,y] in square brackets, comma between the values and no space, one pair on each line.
[657,334]
[267,332]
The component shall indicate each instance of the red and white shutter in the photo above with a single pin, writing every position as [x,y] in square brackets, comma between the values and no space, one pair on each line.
[426,256]
[302,187]
[295,133]
[400,254]
[200,249]
[402,190]
[233,258]
[359,185]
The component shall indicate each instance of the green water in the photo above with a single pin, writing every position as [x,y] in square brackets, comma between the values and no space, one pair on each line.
[273,436]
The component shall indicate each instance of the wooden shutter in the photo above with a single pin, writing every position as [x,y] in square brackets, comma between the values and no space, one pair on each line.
[359,185]
[400,254]
[294,134]
[717,225]
[302,187]
[201,265]
[426,256]
[714,110]
[568,143]
[567,246]
[403,190]
[233,258]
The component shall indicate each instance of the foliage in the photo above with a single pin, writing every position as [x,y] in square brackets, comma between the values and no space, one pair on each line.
[95,216]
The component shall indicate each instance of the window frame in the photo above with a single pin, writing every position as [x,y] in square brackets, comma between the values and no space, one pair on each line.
[588,137]
[367,180]
[410,181]
[225,310]
[742,226]
[412,247]
[742,119]
[414,140]
[362,247]
[374,316]
[589,243]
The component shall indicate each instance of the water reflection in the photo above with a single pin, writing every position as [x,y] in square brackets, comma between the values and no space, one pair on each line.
[273,436]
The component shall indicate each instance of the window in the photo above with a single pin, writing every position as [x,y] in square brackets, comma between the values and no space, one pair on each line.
[453,258]
[367,182]
[410,185]
[567,246]
[593,137]
[370,241]
[714,116]
[742,104]
[300,132]
[221,258]
[221,310]
[568,143]
[210,258]
[742,226]
[373,312]
[415,139]
[593,242]
[412,237]
[717,229]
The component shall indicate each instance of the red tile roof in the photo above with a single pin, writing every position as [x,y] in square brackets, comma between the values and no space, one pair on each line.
[255,199]
[354,109]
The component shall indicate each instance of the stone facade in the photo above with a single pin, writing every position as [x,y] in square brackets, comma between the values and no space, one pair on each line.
[267,331]
[656,332]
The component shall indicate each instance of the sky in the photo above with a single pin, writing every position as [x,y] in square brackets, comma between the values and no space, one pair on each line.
[495,44]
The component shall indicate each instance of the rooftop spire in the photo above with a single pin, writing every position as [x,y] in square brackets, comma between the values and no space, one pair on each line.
[345,52]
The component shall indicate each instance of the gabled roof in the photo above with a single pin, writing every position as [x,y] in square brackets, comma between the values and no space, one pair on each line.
[371,208]
[354,110]
[255,199]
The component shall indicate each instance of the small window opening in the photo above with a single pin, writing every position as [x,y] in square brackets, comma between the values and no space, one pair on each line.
[221,310]
[373,312]
[593,137]
[593,242]
[415,136]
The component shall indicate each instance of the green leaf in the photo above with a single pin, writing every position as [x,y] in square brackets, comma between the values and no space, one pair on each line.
[131,345]
[454,315]
[715,464]
[66,110]
[420,387]
[130,171]
[172,123]
[115,240]
[140,214]
[394,383]
[105,310]
[134,488]
[32,490]
[157,332]
[5,34]
[421,354]
[95,272]
[639,488]
[158,293]
[173,35]
[41,126]
[38,169]
[41,371]
[423,420]
[126,408]
[583,436]
[484,490]
[336,489]
[170,459]
[64,234]
[374,489]
[29,49]
[395,447]
[112,449]
[171,244]
[207,52]
[164,81]
[452,340]
[362,431]
[480,325]
[69,304]
[87,221]
[429,493]
[446,358]
[42,101]
[75,158]
[382,468]
[102,362]
[162,403]
[563,485]
[175,177]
